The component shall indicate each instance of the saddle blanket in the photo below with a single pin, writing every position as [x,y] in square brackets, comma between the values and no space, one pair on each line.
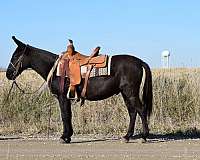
[95,71]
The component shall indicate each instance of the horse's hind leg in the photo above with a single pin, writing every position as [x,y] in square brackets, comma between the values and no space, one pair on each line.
[130,103]
[135,106]
[143,115]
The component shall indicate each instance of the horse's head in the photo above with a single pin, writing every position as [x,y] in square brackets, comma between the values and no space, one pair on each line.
[19,61]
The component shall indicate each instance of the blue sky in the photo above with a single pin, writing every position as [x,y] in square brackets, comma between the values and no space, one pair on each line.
[140,28]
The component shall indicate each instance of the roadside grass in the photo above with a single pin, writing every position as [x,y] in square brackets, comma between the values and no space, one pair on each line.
[176,107]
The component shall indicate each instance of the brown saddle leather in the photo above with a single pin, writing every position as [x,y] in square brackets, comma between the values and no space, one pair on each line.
[78,60]
[74,72]
[73,68]
[99,61]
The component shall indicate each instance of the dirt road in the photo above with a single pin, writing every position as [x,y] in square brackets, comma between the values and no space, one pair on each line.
[93,149]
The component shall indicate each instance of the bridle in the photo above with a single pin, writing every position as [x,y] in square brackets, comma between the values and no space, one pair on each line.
[18,64]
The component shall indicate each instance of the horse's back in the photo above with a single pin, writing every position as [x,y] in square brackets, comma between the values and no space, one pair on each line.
[126,70]
[126,65]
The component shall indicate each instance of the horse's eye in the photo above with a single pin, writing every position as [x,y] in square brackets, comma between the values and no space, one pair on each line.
[15,57]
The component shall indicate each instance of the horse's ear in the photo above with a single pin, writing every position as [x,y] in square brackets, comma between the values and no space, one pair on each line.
[19,43]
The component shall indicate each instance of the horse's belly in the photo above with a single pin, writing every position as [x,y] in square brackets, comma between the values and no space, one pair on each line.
[101,88]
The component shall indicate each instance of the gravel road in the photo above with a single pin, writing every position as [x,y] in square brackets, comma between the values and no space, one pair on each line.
[98,149]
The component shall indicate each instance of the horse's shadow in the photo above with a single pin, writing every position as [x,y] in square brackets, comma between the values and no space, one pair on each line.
[89,141]
[178,135]
[153,137]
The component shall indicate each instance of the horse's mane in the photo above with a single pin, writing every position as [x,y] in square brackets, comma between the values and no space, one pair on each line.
[44,53]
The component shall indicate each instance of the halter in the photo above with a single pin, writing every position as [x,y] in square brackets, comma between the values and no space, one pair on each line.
[18,63]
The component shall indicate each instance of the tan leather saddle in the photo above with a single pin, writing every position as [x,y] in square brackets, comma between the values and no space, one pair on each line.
[71,66]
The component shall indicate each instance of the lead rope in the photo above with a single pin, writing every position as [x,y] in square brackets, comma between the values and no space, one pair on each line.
[10,91]
[23,91]
[48,105]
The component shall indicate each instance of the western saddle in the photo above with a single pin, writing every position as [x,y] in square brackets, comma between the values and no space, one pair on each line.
[70,65]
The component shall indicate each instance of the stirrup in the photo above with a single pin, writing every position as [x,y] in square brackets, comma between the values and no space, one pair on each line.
[75,97]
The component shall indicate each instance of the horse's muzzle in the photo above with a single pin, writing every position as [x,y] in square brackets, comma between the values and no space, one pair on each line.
[10,73]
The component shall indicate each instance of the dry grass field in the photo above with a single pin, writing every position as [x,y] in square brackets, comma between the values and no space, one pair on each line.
[176,107]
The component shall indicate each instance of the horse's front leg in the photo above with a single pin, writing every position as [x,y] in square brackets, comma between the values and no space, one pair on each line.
[66,114]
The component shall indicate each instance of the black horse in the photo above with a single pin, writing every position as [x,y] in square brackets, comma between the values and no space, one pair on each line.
[129,76]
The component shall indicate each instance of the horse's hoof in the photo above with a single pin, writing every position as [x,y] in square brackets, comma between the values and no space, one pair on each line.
[144,140]
[125,139]
[65,140]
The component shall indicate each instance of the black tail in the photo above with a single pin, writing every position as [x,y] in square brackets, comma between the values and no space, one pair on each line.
[148,93]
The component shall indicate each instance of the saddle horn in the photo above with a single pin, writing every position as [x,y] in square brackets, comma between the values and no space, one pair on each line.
[70,47]
[18,42]
[70,41]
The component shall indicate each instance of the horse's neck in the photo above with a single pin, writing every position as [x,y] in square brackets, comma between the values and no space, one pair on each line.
[42,61]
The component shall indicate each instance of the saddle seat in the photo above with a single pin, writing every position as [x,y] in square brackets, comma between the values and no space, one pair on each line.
[94,59]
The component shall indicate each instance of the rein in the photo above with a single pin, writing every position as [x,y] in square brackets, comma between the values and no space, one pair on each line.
[22,90]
